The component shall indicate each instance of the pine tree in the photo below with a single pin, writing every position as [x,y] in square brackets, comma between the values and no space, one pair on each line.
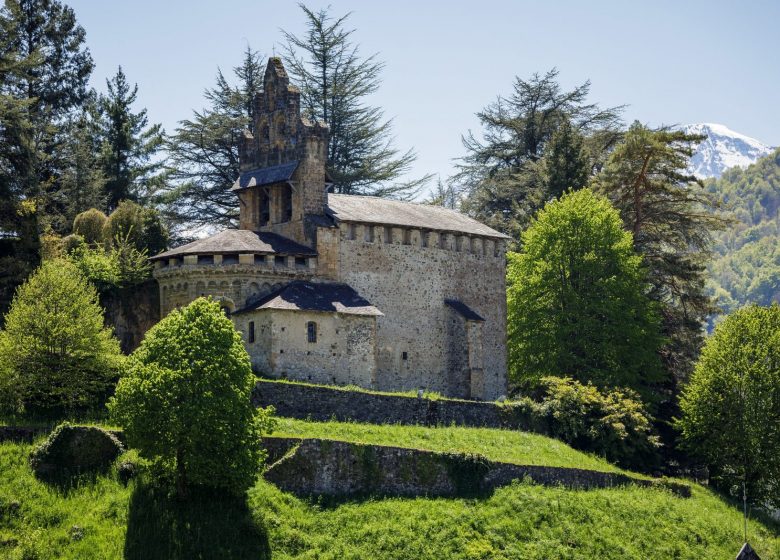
[129,146]
[670,216]
[565,164]
[502,174]
[204,150]
[83,181]
[334,81]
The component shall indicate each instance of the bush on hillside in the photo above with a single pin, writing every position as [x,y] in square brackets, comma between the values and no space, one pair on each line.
[55,348]
[184,401]
[610,422]
[120,266]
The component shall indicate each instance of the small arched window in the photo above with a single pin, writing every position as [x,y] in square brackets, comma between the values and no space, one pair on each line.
[311,331]
[251,332]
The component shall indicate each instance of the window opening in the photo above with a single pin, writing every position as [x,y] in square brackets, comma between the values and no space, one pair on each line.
[311,331]
[251,331]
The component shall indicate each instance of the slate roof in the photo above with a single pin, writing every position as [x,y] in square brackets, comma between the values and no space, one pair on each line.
[311,296]
[464,310]
[265,176]
[240,241]
[374,210]
[747,553]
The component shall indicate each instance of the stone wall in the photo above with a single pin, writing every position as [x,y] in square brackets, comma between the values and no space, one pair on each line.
[297,400]
[407,274]
[315,467]
[343,352]
[230,283]
[131,312]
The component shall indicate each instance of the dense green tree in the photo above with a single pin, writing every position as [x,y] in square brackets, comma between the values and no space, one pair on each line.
[502,174]
[731,406]
[334,81]
[130,146]
[671,218]
[575,301]
[185,401]
[54,345]
[565,165]
[204,150]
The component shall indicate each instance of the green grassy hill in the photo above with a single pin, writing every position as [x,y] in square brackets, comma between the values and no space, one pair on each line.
[103,519]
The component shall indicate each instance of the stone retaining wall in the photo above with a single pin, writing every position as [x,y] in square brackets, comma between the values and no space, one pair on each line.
[295,400]
[316,467]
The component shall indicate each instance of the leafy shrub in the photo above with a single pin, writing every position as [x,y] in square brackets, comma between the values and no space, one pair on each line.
[120,266]
[55,348]
[610,422]
[89,225]
[185,404]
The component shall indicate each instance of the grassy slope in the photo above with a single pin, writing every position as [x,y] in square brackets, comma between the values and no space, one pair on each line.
[521,521]
[508,446]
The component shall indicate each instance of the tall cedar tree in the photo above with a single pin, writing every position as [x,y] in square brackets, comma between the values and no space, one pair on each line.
[44,66]
[566,165]
[502,174]
[204,150]
[670,216]
[575,300]
[129,146]
[334,82]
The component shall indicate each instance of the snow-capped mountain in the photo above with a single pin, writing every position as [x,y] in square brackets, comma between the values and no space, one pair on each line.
[723,148]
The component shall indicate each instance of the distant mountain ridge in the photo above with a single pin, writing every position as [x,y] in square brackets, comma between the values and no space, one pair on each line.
[723,149]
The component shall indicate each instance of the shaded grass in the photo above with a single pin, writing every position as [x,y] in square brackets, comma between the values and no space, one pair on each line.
[509,446]
[99,518]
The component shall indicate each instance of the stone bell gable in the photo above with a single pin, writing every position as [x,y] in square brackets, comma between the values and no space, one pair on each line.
[283,178]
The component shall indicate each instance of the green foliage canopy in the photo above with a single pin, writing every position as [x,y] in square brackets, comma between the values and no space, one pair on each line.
[185,401]
[731,406]
[576,301]
[54,348]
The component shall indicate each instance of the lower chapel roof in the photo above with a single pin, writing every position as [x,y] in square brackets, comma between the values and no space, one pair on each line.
[240,241]
[315,296]
[381,211]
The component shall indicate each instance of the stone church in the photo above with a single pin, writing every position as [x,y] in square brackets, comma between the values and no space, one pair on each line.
[339,289]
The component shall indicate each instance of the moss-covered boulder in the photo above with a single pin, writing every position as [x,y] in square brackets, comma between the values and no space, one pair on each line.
[74,450]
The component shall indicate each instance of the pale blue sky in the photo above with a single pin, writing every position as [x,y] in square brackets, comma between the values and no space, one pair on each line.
[672,62]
